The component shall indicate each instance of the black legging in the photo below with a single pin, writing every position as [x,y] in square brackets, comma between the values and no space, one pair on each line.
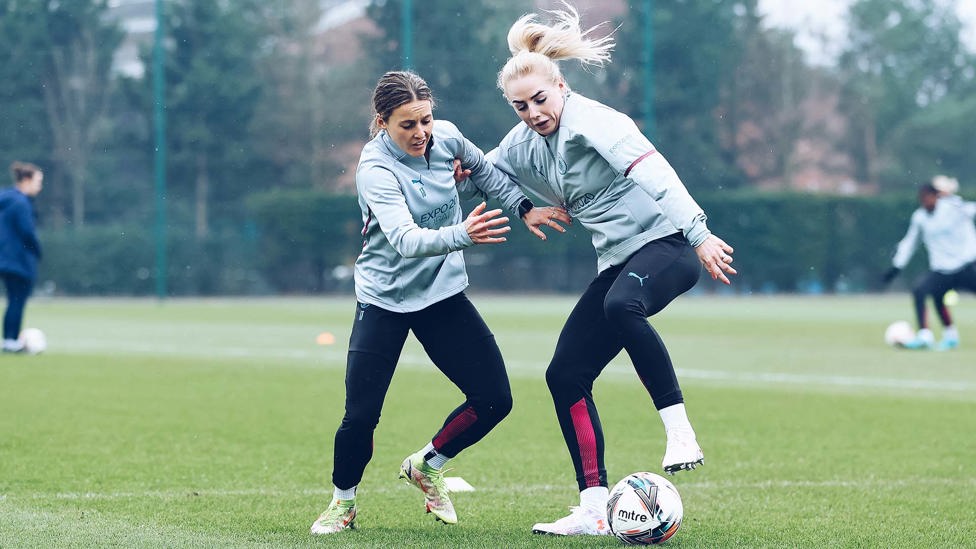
[610,316]
[936,285]
[18,290]
[459,344]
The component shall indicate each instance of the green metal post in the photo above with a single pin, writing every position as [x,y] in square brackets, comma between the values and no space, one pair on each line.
[647,58]
[406,17]
[159,157]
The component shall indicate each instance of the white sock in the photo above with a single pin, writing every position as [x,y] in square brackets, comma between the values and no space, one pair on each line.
[12,344]
[345,495]
[950,332]
[433,458]
[926,335]
[595,498]
[675,418]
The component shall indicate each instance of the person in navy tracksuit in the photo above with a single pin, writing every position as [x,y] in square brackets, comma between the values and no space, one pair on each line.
[20,250]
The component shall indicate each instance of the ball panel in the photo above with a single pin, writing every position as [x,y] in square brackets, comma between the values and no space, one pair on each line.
[644,508]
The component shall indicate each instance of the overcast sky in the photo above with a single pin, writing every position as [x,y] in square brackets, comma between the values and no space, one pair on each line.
[815,21]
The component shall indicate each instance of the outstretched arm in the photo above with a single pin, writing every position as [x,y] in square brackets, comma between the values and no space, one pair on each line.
[387,204]
[620,142]
[482,177]
[533,216]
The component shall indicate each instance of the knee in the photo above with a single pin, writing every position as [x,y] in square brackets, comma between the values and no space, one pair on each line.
[490,397]
[359,422]
[492,408]
[559,378]
[501,405]
[920,291]
[620,310]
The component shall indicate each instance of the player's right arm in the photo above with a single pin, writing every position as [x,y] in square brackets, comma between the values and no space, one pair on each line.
[380,189]
[23,222]
[908,244]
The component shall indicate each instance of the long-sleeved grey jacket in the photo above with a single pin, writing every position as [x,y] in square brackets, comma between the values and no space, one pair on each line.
[608,176]
[413,230]
[948,233]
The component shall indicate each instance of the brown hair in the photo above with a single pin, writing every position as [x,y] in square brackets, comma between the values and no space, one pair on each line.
[23,170]
[394,89]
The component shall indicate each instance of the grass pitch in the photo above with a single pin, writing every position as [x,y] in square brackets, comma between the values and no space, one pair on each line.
[210,424]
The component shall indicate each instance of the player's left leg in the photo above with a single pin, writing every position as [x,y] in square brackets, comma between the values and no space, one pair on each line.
[585,346]
[659,272]
[940,285]
[375,344]
[462,347]
[964,279]
[921,290]
[18,290]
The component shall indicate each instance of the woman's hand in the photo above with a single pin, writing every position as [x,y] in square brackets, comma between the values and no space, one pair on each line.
[716,256]
[459,173]
[486,227]
[546,217]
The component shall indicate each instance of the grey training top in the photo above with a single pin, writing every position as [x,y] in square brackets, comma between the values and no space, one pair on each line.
[948,233]
[412,221]
[601,168]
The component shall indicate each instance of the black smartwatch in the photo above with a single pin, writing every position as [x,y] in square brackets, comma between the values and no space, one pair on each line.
[524,206]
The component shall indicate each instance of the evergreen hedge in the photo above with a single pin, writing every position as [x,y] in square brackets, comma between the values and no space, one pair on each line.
[303,242]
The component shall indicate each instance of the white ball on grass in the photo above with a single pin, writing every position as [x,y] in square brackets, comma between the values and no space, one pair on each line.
[899,333]
[33,340]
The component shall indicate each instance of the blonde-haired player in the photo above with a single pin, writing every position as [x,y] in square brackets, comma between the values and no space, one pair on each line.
[650,237]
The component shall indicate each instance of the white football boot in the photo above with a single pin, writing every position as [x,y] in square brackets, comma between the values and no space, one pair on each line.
[580,522]
[682,453]
[924,339]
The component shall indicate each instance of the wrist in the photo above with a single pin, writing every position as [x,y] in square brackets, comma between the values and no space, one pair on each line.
[524,207]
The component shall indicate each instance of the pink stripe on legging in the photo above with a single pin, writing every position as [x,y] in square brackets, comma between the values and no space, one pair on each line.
[458,425]
[586,440]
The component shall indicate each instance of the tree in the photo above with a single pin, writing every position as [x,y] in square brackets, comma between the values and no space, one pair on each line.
[60,60]
[24,133]
[459,60]
[696,50]
[287,117]
[212,91]
[938,139]
[762,119]
[315,99]
[77,86]
[903,58]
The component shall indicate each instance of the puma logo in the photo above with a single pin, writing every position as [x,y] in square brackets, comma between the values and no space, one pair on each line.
[639,278]
[420,186]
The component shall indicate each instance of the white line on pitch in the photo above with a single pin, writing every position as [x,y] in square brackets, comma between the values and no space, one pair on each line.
[332,357]
[526,489]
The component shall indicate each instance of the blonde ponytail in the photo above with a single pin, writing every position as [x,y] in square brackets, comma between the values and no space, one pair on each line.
[536,47]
